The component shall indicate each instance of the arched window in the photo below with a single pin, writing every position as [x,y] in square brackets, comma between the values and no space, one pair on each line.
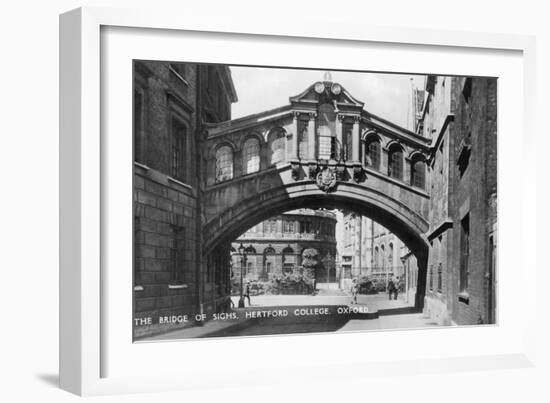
[276,143]
[395,162]
[224,163]
[418,172]
[390,255]
[251,156]
[383,255]
[372,153]
[288,251]
[376,257]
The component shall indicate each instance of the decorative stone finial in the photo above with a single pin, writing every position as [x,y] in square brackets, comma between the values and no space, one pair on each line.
[327,76]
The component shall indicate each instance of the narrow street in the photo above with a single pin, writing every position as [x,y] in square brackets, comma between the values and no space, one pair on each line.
[391,314]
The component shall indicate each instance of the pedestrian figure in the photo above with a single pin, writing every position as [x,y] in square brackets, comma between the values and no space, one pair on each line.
[392,287]
[354,290]
[398,285]
[247,293]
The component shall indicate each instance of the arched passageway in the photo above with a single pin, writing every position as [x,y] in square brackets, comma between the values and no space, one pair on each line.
[395,216]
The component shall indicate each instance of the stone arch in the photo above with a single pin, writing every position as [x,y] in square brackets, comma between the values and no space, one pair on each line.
[393,214]
[370,133]
[254,135]
[225,142]
[393,144]
[417,154]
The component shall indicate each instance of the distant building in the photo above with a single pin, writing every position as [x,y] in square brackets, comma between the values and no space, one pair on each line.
[276,246]
[370,249]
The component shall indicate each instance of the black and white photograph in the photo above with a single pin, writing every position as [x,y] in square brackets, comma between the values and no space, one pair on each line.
[271,200]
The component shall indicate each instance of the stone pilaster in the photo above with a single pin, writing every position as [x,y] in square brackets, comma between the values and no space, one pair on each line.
[355,140]
[312,143]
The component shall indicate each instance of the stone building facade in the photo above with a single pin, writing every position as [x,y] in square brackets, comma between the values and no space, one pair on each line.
[459,115]
[370,249]
[275,246]
[172,103]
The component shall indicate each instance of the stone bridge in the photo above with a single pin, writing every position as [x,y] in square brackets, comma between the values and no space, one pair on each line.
[322,150]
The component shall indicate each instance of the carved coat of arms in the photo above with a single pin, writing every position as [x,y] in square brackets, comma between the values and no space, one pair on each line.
[326,179]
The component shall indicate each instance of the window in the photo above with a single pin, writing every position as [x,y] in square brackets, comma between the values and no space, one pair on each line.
[431,282]
[138,125]
[289,259]
[224,163]
[372,154]
[395,162]
[464,152]
[327,132]
[276,144]
[251,156]
[179,140]
[176,253]
[270,226]
[464,252]
[418,172]
[390,255]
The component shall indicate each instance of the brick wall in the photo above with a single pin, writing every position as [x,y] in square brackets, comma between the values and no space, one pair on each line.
[165,248]
[474,192]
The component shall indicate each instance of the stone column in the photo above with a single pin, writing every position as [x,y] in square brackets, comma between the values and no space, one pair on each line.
[312,143]
[339,143]
[355,140]
[294,144]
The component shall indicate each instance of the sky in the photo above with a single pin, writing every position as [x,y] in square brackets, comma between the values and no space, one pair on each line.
[385,95]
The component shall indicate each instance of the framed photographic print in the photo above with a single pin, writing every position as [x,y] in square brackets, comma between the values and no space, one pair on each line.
[305,196]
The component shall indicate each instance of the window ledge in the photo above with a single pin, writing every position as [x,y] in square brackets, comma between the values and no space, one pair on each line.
[185,185]
[464,297]
[142,166]
[138,288]
[177,286]
[179,76]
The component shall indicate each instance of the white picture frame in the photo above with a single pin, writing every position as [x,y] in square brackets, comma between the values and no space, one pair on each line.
[86,313]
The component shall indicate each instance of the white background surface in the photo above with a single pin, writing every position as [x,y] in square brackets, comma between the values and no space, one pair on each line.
[29,209]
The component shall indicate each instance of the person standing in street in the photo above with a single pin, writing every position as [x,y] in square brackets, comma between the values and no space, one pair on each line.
[247,293]
[354,290]
[397,284]
[391,288]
